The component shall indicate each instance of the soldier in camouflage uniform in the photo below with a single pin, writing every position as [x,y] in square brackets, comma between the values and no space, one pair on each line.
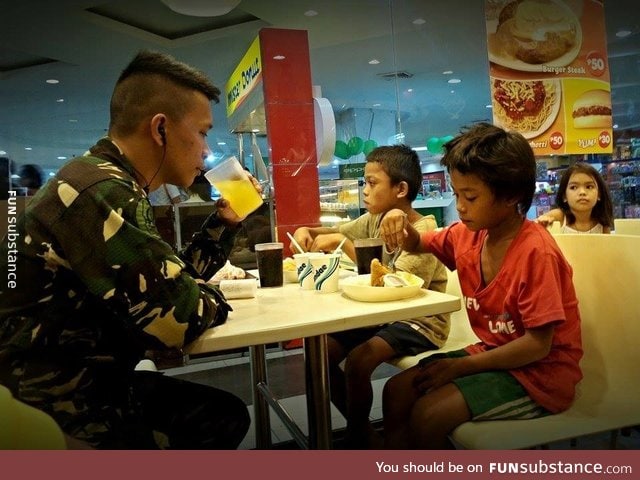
[97,287]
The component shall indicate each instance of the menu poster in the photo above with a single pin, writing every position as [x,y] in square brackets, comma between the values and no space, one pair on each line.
[550,74]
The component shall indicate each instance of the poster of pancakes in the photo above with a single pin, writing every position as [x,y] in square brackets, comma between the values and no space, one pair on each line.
[549,81]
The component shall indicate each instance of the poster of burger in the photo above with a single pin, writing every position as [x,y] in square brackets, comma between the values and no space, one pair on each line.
[550,80]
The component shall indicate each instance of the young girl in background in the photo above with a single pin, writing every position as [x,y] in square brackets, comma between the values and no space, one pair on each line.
[583,201]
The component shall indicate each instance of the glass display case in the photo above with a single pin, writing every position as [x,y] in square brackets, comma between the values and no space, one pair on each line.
[340,201]
[623,179]
[177,224]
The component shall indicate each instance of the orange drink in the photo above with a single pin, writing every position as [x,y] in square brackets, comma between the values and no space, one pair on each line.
[234,185]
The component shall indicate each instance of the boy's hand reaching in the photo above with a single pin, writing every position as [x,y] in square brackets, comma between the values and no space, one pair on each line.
[397,232]
[304,239]
[326,242]
[545,220]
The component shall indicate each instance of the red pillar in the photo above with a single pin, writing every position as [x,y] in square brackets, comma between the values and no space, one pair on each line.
[288,106]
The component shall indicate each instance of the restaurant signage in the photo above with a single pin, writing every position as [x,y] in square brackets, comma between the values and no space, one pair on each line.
[549,73]
[244,78]
[351,170]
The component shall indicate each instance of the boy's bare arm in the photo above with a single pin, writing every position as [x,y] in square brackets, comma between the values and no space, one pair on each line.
[396,232]
[305,236]
[555,215]
[534,345]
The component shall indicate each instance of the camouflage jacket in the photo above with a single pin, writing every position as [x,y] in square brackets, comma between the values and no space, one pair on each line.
[97,286]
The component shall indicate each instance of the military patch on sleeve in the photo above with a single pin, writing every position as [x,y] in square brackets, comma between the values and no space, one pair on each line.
[145,219]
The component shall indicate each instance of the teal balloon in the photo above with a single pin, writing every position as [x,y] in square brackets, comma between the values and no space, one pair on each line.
[447,139]
[434,145]
[356,144]
[342,150]
[369,145]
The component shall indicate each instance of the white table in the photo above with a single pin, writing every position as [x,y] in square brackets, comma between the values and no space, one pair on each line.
[288,312]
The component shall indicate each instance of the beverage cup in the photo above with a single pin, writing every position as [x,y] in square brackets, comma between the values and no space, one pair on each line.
[366,250]
[235,186]
[305,270]
[326,272]
[269,258]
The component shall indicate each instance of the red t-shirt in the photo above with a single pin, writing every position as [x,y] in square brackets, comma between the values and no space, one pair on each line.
[532,288]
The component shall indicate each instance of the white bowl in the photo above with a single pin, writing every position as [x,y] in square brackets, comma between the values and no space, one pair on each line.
[359,288]
[289,270]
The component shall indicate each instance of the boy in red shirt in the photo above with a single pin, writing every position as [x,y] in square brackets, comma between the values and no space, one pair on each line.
[517,290]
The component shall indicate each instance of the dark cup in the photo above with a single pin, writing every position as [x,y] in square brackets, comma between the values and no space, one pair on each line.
[269,258]
[366,250]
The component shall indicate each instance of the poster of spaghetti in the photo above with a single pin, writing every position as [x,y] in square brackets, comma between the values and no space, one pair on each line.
[549,73]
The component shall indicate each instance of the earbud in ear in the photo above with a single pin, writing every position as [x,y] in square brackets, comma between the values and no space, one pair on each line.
[162,134]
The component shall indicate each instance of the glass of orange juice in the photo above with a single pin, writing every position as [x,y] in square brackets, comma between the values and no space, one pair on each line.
[235,186]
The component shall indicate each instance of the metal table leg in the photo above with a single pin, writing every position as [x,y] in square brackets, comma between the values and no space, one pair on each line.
[260,406]
[318,397]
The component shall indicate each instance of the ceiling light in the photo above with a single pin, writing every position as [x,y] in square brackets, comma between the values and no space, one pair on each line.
[60,100]
[623,33]
[376,104]
[615,125]
[488,106]
[202,8]
[310,13]
[52,81]
[454,80]
[73,120]
[2,152]
[279,57]
[447,72]
[28,148]
[374,61]
[222,143]
[409,90]
[61,157]
[419,21]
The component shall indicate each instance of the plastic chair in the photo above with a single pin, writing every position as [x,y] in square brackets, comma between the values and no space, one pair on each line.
[606,272]
[23,427]
[626,226]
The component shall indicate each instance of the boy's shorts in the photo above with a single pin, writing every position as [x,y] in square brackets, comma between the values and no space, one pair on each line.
[403,339]
[493,395]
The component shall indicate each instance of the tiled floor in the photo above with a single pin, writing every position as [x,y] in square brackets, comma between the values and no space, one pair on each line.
[286,379]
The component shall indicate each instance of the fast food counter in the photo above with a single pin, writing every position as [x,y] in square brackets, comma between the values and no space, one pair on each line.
[444,209]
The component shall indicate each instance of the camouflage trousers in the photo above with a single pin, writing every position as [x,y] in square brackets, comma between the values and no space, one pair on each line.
[166,412]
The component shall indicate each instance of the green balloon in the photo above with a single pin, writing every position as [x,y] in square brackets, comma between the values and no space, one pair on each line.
[342,150]
[434,145]
[356,144]
[447,139]
[369,145]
